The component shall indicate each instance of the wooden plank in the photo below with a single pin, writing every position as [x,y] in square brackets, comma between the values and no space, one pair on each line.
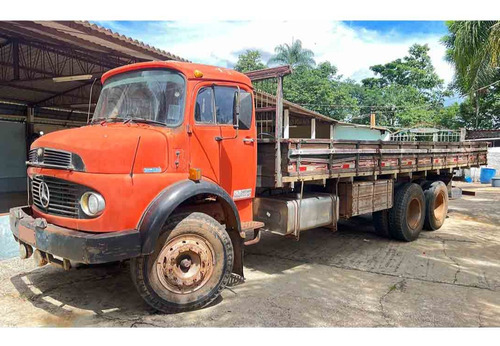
[468,193]
[318,159]
[363,197]
[269,73]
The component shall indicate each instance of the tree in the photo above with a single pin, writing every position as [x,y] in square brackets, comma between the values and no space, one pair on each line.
[251,60]
[293,55]
[404,92]
[414,70]
[489,115]
[320,89]
[396,106]
[448,118]
[473,47]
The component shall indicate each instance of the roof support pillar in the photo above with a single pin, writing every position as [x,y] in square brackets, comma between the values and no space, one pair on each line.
[15,59]
[332,131]
[30,127]
[278,132]
[463,133]
[313,128]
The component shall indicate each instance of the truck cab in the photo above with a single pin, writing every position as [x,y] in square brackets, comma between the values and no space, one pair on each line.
[164,174]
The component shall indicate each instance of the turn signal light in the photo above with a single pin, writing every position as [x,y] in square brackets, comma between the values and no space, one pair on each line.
[198,73]
[195,174]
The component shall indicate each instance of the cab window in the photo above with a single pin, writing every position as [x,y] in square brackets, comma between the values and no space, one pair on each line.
[245,110]
[204,109]
[225,103]
[217,104]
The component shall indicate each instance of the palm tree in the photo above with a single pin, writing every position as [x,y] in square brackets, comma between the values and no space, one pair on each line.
[474,50]
[293,55]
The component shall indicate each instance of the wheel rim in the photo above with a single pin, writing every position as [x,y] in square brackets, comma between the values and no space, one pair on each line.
[414,213]
[185,264]
[440,206]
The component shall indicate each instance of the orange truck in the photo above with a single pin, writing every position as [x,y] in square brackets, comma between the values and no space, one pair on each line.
[171,174]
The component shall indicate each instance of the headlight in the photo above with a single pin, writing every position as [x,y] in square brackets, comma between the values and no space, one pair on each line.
[92,203]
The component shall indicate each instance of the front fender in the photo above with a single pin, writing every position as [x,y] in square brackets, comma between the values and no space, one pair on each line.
[170,198]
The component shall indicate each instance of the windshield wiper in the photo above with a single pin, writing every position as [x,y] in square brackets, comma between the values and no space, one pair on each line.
[128,120]
[95,120]
[143,120]
[107,119]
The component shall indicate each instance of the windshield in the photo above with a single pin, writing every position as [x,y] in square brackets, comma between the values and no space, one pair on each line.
[154,95]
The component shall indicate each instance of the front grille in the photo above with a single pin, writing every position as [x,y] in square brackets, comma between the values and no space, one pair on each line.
[63,196]
[32,156]
[56,158]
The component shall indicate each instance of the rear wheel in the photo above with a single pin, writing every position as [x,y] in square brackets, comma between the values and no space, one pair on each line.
[436,205]
[190,266]
[406,217]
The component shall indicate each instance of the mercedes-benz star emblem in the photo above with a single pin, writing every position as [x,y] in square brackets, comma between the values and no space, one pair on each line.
[43,192]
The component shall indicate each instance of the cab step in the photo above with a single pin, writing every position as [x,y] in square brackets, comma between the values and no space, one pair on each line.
[256,226]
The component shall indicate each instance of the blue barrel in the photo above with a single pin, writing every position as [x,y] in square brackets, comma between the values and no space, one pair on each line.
[486,175]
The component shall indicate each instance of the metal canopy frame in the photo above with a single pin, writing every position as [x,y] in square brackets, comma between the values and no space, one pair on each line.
[274,73]
[32,53]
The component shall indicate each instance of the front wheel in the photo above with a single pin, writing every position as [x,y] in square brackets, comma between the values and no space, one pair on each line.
[190,266]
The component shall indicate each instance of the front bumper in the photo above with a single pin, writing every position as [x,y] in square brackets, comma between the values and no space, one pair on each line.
[77,246]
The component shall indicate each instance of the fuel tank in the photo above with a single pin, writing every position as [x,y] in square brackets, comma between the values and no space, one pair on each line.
[288,215]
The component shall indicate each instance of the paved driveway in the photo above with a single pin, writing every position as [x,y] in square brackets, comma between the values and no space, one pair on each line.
[450,277]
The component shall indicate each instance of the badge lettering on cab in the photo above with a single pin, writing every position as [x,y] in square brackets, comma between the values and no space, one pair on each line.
[240,194]
[152,170]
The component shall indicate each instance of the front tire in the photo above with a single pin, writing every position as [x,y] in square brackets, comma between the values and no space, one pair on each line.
[191,264]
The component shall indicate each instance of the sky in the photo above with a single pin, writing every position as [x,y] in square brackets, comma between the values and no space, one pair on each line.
[352,46]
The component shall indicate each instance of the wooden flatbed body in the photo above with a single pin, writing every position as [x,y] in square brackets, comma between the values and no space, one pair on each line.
[318,159]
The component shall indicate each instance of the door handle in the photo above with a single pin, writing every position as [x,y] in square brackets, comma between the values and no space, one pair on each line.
[248,140]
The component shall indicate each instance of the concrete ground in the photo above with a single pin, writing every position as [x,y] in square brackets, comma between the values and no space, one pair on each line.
[446,278]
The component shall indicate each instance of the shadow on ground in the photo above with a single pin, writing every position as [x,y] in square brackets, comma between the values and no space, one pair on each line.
[347,278]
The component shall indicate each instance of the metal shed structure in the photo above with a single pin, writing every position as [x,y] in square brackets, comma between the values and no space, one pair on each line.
[300,122]
[53,64]
[48,70]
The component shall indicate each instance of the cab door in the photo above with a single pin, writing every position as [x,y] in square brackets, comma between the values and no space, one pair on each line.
[226,155]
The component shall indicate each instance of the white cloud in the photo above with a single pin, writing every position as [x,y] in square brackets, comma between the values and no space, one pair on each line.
[352,50]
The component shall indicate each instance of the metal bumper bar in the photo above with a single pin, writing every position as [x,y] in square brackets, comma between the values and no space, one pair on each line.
[77,246]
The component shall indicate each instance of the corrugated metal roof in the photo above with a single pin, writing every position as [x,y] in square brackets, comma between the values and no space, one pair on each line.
[32,53]
[293,107]
[482,134]
[296,109]
[123,42]
[88,36]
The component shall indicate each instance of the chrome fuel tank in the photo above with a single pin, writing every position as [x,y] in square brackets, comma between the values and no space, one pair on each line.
[287,214]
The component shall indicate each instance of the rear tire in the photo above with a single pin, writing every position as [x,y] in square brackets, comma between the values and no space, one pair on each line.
[191,264]
[407,216]
[436,205]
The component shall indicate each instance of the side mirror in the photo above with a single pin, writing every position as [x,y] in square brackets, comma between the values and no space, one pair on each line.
[236,109]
